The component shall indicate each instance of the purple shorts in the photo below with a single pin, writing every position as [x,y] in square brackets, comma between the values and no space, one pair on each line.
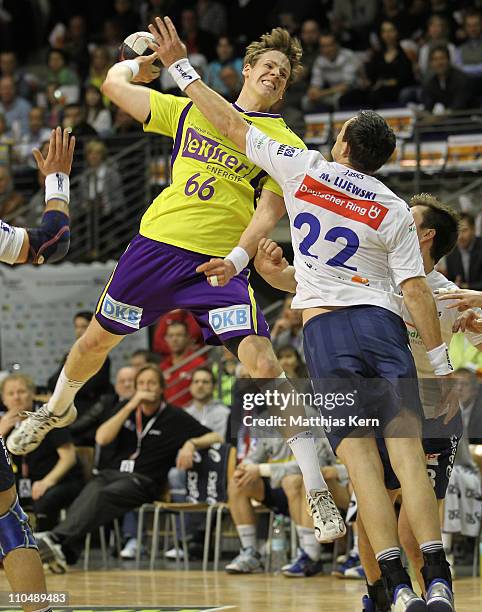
[152,278]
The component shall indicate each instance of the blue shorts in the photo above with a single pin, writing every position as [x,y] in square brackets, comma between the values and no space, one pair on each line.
[7,479]
[152,278]
[361,356]
[275,499]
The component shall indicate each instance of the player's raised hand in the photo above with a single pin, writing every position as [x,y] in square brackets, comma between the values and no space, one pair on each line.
[269,258]
[169,48]
[470,320]
[218,271]
[60,153]
[147,70]
[463,298]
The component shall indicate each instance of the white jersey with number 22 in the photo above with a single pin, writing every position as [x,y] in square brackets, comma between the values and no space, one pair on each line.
[354,240]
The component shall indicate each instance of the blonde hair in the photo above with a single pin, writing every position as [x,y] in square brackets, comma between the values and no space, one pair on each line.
[278,39]
[28,382]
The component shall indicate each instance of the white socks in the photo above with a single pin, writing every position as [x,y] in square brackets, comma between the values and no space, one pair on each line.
[64,393]
[303,448]
[308,542]
[247,535]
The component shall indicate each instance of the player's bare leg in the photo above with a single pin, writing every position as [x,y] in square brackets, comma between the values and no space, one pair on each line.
[257,355]
[85,359]
[22,565]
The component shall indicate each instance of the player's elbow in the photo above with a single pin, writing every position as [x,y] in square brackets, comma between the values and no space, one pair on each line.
[415,289]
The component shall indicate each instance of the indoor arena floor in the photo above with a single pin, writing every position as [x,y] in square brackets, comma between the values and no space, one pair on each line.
[167,590]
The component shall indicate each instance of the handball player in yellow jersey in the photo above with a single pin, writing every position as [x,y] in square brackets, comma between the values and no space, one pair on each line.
[192,226]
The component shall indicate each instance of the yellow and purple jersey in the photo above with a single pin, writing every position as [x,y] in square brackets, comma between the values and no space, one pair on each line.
[214,186]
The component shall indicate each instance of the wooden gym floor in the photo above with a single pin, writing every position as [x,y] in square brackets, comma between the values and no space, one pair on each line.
[254,593]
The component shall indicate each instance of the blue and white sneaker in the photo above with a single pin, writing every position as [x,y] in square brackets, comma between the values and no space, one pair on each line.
[355,573]
[368,604]
[247,562]
[406,600]
[439,597]
[353,560]
[302,567]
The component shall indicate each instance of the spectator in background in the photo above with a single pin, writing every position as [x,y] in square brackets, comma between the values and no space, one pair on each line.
[84,427]
[437,34]
[6,137]
[125,17]
[97,115]
[310,41]
[25,83]
[224,370]
[352,21]
[101,186]
[124,124]
[178,377]
[13,107]
[225,57]
[389,70]
[75,44]
[48,478]
[232,83]
[288,328]
[159,343]
[112,39]
[204,408]
[464,263]
[197,41]
[334,75]
[469,54]
[211,17]
[33,138]
[96,386]
[11,201]
[291,362]
[100,62]
[448,89]
[396,11]
[59,71]
[142,357]
[471,404]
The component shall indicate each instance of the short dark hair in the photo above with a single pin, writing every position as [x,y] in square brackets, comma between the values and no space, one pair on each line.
[84,314]
[439,47]
[443,219]
[470,219]
[181,323]
[204,369]
[371,141]
[152,368]
[148,355]
[64,54]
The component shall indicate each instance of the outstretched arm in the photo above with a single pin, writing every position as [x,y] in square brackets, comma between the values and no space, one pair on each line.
[172,52]
[50,240]
[273,267]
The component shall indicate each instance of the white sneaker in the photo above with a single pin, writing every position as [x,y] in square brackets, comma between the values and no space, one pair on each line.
[130,549]
[174,553]
[50,553]
[327,520]
[36,425]
[405,600]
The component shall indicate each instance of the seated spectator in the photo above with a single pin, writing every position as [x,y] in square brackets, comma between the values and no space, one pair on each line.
[101,186]
[393,10]
[96,386]
[159,343]
[288,327]
[84,427]
[125,17]
[197,40]
[469,54]
[335,73]
[49,478]
[138,468]
[33,138]
[178,377]
[142,357]
[25,84]
[232,82]
[464,263]
[100,62]
[204,408]
[352,21]
[97,115]
[225,372]
[75,44]
[59,71]
[11,201]
[124,125]
[291,362]
[470,394]
[6,138]
[112,39]
[211,17]
[225,57]
[437,34]
[15,108]
[74,118]
[389,70]
[448,89]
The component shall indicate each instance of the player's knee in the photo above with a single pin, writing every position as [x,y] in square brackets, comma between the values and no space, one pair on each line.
[292,485]
[15,531]
[95,341]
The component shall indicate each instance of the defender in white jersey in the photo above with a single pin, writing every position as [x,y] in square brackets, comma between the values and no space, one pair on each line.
[358,237]
[47,242]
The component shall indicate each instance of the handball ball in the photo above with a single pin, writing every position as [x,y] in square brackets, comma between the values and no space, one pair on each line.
[137,44]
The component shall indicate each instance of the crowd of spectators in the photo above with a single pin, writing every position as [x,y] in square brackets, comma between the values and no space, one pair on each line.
[367,53]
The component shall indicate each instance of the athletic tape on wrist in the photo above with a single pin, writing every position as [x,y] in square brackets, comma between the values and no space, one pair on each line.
[57,187]
[440,360]
[132,65]
[239,258]
[183,73]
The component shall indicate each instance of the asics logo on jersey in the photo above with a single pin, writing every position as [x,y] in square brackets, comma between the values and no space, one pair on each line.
[204,149]
[122,313]
[368,213]
[230,319]
[288,151]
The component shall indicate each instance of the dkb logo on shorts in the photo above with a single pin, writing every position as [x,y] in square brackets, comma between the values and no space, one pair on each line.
[230,319]
[121,313]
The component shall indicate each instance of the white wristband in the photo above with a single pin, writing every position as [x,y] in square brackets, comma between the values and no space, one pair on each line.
[264,470]
[239,258]
[183,73]
[440,360]
[132,65]
[57,187]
